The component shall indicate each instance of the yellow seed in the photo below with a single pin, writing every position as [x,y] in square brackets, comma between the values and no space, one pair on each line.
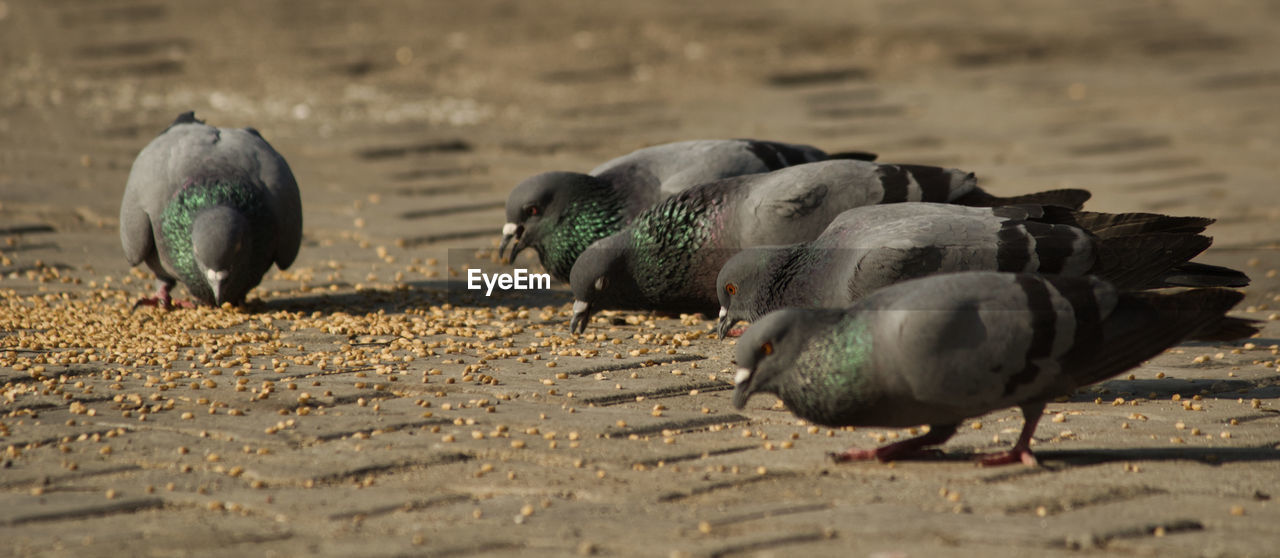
[1237,510]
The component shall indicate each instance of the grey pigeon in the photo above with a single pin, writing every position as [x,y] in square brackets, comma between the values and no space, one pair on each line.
[211,207]
[867,248]
[559,214]
[668,257]
[944,348]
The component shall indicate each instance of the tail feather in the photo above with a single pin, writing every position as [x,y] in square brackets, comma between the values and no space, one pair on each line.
[854,155]
[1143,324]
[1110,225]
[1069,198]
[1227,329]
[1205,309]
[1191,274]
[1136,262]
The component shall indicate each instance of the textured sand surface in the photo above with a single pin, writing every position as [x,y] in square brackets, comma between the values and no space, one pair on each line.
[350,410]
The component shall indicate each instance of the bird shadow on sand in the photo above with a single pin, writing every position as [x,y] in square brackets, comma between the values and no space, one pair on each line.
[1186,388]
[1060,459]
[1054,459]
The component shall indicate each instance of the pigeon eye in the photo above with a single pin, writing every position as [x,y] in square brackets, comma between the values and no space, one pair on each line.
[531,210]
[731,289]
[767,348]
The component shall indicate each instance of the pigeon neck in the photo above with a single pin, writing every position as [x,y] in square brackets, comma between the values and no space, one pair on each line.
[588,216]
[786,267]
[210,202]
[834,363]
[678,243]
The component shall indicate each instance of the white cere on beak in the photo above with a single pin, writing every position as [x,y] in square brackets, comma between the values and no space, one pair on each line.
[214,276]
[579,306]
[741,376]
[723,312]
[510,229]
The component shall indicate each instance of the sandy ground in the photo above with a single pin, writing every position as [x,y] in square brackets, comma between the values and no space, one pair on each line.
[352,411]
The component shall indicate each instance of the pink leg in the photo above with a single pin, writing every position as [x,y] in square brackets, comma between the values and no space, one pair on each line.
[905,449]
[737,331]
[162,299]
[1021,451]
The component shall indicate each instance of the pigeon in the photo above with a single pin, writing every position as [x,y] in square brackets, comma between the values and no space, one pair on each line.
[212,208]
[867,248]
[668,257]
[944,348]
[559,214]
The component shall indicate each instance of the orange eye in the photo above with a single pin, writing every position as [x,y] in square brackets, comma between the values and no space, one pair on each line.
[767,348]
[731,289]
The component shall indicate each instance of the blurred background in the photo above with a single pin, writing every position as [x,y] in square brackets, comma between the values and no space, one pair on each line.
[407,122]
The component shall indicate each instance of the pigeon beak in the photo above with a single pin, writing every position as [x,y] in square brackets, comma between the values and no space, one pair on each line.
[510,231]
[581,315]
[216,278]
[742,388]
[725,323]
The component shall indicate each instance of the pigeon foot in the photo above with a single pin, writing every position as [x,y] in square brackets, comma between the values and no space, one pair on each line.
[1015,455]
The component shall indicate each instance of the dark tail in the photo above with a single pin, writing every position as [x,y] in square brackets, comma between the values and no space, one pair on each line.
[1138,262]
[1143,324]
[854,155]
[1207,309]
[1068,198]
[1227,329]
[1191,274]
[1111,225]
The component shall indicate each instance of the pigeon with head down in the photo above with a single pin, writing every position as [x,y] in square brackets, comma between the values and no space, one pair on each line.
[559,214]
[945,348]
[211,207]
[667,259]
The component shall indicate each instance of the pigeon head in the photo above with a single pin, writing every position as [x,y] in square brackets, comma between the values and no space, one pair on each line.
[536,204]
[768,350]
[743,285]
[601,277]
[219,238]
